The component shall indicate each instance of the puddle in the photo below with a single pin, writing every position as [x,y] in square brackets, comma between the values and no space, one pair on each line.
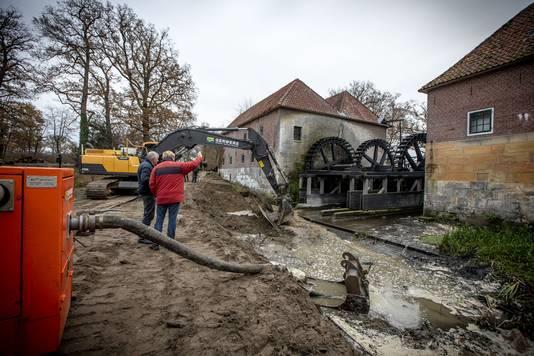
[439,315]
[400,311]
[409,313]
[326,293]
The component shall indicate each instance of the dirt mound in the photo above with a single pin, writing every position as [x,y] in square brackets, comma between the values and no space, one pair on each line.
[217,199]
[133,300]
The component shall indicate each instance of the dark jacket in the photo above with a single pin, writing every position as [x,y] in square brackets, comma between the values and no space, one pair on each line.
[167,180]
[143,177]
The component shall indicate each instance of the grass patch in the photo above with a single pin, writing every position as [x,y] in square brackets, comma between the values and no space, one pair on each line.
[434,240]
[508,247]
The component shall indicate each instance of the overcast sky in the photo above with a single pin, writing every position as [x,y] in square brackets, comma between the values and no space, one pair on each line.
[248,49]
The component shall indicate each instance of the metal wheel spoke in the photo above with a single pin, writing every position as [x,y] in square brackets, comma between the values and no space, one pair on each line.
[324,155]
[383,159]
[418,152]
[368,158]
[333,152]
[411,161]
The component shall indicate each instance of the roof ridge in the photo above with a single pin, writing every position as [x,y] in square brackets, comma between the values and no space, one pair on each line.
[281,101]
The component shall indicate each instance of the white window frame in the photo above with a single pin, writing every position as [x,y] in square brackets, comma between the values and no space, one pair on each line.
[469,122]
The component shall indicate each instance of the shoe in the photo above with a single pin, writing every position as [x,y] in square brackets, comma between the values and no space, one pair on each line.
[144,241]
[154,247]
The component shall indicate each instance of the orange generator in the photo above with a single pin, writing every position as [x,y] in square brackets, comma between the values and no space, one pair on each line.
[35,257]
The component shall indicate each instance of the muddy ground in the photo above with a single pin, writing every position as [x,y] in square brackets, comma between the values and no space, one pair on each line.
[129,299]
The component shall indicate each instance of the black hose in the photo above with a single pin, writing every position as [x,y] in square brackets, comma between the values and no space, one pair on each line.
[146,232]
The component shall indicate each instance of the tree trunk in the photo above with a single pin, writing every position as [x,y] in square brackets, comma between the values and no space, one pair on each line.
[146,124]
[84,125]
[107,114]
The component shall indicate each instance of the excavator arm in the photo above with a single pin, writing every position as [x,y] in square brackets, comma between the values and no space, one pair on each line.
[185,139]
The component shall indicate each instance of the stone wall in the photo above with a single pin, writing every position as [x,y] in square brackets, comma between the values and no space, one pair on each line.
[483,175]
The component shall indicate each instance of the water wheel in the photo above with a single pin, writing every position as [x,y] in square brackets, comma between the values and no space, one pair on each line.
[328,152]
[410,154]
[375,155]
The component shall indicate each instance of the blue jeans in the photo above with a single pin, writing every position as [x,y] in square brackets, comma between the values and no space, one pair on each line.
[161,210]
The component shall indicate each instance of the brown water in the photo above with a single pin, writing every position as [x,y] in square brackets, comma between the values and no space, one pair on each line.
[399,310]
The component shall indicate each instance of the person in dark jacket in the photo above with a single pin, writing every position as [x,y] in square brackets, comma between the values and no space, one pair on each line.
[143,179]
[167,184]
[195,174]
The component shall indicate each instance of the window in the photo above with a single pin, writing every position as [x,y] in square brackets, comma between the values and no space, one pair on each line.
[245,136]
[261,130]
[297,133]
[251,157]
[230,157]
[480,122]
[242,158]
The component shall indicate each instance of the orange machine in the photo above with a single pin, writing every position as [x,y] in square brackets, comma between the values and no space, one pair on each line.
[35,257]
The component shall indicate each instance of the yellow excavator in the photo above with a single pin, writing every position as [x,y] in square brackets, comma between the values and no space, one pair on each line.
[118,165]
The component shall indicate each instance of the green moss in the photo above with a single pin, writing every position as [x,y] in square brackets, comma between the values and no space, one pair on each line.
[293,178]
[435,240]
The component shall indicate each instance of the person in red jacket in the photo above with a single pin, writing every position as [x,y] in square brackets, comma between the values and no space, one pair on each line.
[167,185]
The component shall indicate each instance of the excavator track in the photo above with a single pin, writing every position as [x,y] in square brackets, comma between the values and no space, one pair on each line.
[100,189]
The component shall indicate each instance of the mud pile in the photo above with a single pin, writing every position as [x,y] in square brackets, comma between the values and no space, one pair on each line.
[132,300]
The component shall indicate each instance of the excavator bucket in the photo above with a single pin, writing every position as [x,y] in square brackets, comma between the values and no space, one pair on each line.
[279,217]
[351,294]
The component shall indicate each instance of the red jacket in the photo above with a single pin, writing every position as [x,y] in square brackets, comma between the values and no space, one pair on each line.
[167,180]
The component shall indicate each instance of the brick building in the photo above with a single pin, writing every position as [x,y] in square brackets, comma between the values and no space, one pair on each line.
[291,120]
[480,143]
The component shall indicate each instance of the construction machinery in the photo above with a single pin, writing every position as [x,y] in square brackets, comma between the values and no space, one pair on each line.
[118,165]
[122,164]
[36,257]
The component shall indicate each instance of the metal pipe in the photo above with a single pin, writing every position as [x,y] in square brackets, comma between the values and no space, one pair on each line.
[88,223]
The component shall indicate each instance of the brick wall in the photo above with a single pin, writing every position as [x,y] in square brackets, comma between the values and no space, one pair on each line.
[509,91]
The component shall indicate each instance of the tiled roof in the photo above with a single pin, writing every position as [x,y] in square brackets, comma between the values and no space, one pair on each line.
[295,95]
[511,43]
[347,104]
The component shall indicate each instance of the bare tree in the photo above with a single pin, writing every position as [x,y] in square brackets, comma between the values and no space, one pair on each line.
[402,117]
[160,91]
[15,68]
[60,123]
[103,79]
[70,29]
[243,106]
